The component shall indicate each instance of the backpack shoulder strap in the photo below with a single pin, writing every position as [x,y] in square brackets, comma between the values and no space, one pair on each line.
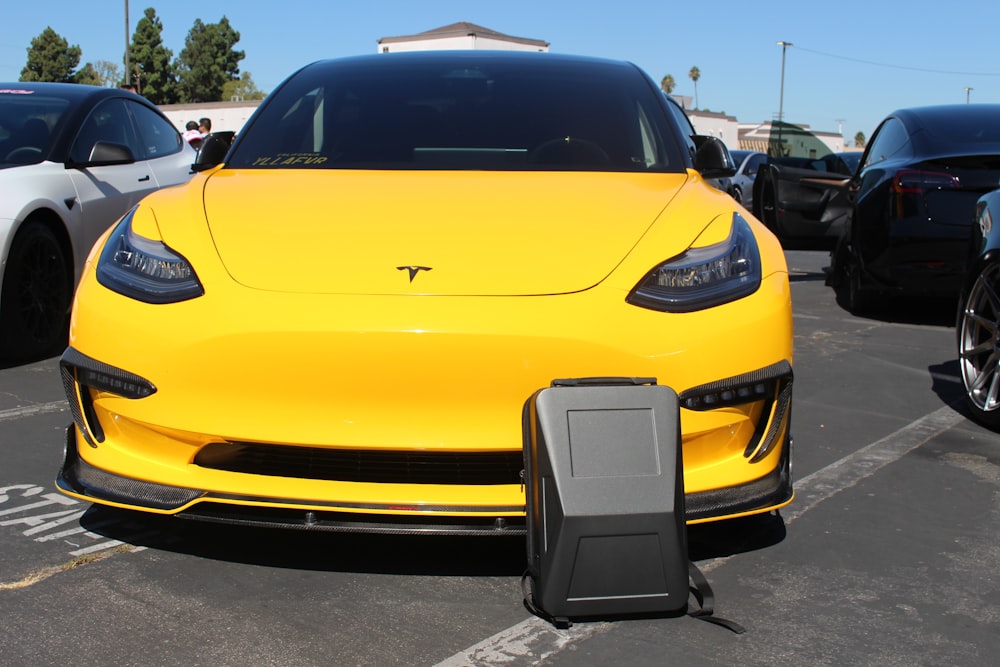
[705,611]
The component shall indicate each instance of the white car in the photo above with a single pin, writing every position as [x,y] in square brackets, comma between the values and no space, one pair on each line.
[73,159]
[747,164]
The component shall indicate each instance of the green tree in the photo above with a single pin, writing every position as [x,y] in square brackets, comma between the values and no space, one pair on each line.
[109,74]
[152,69]
[51,58]
[859,140]
[667,84]
[242,88]
[88,75]
[694,75]
[207,61]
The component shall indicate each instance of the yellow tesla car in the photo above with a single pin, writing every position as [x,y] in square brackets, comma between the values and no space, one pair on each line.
[337,322]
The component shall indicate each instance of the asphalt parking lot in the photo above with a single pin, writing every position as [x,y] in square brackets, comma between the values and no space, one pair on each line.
[888,555]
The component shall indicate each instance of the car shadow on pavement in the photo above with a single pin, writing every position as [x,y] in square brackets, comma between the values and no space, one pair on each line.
[383,554]
[936,311]
[314,550]
[946,382]
[799,276]
[14,361]
[735,536]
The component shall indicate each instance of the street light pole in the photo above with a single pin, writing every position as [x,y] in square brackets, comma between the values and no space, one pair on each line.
[128,74]
[967,91]
[781,99]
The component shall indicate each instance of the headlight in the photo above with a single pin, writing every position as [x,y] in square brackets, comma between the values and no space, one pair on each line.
[145,269]
[704,277]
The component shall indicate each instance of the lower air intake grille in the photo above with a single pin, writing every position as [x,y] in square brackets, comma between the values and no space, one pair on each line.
[352,465]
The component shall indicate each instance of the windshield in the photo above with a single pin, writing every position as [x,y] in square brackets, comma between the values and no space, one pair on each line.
[461,112]
[26,122]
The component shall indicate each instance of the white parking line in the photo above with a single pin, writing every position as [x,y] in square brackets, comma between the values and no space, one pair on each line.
[31,410]
[533,640]
[813,489]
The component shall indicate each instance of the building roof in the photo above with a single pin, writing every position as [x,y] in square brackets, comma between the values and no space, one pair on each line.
[462,29]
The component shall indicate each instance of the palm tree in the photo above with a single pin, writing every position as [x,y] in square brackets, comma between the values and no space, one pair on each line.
[695,74]
[667,84]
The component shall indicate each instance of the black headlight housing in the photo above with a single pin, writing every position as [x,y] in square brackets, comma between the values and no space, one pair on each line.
[145,269]
[704,277]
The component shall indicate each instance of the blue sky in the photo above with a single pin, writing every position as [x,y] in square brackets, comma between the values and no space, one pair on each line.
[849,65]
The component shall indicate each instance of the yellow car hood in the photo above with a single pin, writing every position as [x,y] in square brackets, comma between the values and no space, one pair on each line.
[433,232]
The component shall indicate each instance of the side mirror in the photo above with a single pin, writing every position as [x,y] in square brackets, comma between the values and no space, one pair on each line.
[105,153]
[712,158]
[212,151]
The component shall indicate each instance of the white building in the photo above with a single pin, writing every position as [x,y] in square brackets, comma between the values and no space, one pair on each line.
[756,137]
[711,123]
[224,115]
[462,35]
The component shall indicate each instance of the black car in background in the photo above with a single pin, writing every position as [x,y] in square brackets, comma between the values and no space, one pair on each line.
[852,159]
[905,216]
[978,326]
[914,203]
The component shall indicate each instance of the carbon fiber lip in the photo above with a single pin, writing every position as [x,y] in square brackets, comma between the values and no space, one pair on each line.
[772,489]
[79,477]
[340,522]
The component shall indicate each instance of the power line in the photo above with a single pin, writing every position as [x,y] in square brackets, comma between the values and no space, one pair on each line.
[912,69]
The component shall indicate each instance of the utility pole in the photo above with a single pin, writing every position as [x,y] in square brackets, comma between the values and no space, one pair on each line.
[781,99]
[128,69]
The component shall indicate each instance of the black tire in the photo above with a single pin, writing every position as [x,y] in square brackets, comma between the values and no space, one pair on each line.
[840,261]
[37,292]
[979,346]
[764,200]
[738,194]
[859,300]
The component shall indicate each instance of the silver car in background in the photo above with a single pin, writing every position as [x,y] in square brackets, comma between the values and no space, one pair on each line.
[73,159]
[747,164]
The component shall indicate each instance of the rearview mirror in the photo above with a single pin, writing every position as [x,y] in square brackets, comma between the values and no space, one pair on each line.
[212,151]
[712,158]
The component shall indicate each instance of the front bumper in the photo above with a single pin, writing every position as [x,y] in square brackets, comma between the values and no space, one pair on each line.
[249,467]
[269,421]
[79,479]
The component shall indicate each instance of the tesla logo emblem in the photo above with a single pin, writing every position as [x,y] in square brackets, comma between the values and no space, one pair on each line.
[413,270]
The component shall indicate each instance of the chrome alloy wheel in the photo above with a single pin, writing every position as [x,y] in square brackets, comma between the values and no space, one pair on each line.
[979,346]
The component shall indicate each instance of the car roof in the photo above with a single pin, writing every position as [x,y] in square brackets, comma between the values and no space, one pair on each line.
[947,113]
[457,57]
[485,56]
[70,91]
[951,129]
